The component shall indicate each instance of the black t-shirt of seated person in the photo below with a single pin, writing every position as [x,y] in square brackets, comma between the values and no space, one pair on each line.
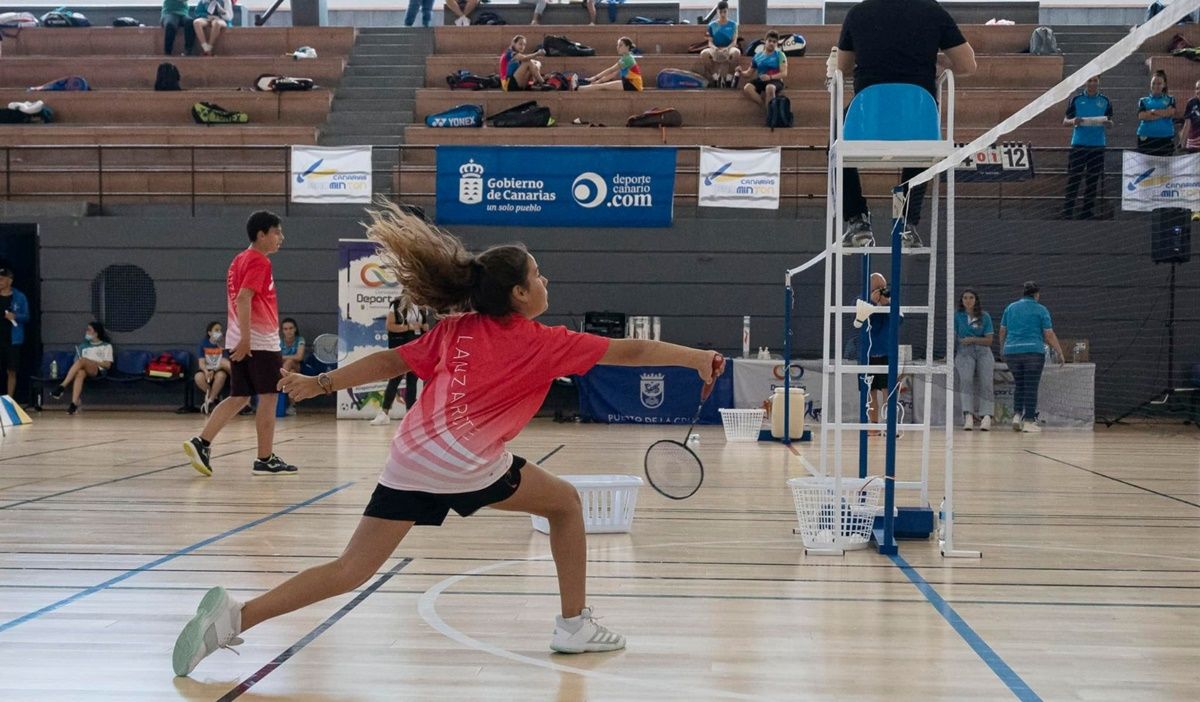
[897,41]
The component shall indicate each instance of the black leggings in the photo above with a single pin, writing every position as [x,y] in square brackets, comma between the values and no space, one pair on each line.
[410,379]
[171,25]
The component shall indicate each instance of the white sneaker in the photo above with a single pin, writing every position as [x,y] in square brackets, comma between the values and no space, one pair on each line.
[985,424]
[583,634]
[1031,427]
[216,625]
[380,419]
[968,421]
[462,22]
[1016,423]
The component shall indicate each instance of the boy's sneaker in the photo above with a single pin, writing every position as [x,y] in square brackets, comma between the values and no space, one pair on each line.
[985,424]
[1031,427]
[968,421]
[216,625]
[381,419]
[197,453]
[57,392]
[1017,422]
[583,634]
[273,466]
[72,409]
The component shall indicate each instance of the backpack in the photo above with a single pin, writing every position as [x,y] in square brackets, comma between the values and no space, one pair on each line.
[1178,42]
[678,79]
[558,45]
[211,113]
[562,80]
[1190,54]
[697,47]
[165,366]
[460,116]
[779,113]
[1043,43]
[281,84]
[62,17]
[463,79]
[126,22]
[657,117]
[756,47]
[488,18]
[68,83]
[167,77]
[17,20]
[649,20]
[793,45]
[527,114]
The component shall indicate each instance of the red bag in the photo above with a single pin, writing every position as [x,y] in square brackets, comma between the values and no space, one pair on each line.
[164,366]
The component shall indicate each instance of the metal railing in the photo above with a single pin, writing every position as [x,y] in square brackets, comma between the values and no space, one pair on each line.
[187,173]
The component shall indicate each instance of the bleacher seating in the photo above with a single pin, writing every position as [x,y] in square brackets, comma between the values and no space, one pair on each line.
[128,370]
[574,13]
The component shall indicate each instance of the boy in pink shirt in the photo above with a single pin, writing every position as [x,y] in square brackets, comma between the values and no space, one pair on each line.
[486,372]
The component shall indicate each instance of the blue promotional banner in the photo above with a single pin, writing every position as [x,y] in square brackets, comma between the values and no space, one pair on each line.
[650,395]
[556,186]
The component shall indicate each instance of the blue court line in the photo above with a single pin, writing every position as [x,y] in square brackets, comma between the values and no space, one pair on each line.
[993,660]
[169,557]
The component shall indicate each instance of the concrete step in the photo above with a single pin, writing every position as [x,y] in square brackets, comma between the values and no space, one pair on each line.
[367,93]
[383,69]
[351,140]
[360,52]
[392,82]
[382,105]
[366,121]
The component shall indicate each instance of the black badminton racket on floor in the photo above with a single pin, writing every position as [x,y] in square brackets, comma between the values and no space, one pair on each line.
[673,469]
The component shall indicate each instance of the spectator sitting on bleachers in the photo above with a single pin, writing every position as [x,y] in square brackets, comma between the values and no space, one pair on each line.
[291,345]
[540,8]
[174,16]
[213,15]
[769,67]
[462,8]
[214,366]
[93,357]
[519,70]
[722,54]
[622,75]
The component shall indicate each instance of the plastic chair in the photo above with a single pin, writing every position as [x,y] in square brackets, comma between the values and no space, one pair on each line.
[893,112]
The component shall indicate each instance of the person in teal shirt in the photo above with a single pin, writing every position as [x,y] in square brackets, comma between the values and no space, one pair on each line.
[1089,114]
[1156,115]
[721,55]
[1025,331]
[974,361]
[175,15]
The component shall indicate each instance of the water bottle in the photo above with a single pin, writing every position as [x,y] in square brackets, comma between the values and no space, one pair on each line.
[54,369]
[941,525]
[746,336]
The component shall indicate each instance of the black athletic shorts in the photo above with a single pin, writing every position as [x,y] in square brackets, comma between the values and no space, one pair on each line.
[879,380]
[10,360]
[256,374]
[760,85]
[431,508]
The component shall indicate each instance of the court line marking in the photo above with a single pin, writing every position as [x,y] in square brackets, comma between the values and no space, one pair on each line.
[985,652]
[1106,552]
[169,557]
[308,638]
[1116,480]
[62,448]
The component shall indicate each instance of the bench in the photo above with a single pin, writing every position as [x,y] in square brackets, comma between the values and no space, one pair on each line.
[139,72]
[140,107]
[128,370]
[660,39]
[573,13]
[994,71]
[330,42]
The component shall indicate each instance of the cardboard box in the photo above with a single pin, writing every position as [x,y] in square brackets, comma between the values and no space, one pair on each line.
[1076,350]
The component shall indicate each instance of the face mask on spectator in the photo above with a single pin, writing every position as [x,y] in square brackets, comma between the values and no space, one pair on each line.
[215,336]
[88,336]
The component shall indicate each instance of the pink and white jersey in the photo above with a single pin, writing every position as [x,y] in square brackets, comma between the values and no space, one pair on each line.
[485,378]
[252,269]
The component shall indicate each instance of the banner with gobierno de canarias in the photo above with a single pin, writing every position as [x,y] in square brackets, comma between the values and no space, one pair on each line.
[556,186]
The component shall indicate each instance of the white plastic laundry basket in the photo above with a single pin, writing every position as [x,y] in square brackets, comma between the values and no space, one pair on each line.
[608,503]
[742,424]
[817,505]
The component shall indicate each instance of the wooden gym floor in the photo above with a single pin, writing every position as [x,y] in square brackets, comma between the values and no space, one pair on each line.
[1088,589]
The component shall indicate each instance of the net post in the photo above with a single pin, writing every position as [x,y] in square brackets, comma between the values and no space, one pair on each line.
[864,387]
[787,356]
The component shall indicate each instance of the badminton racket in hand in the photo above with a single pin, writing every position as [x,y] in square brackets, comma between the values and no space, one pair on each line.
[673,469]
[330,349]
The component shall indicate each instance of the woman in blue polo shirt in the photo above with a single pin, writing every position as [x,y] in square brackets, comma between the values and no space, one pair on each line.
[1157,113]
[1025,331]
[974,361]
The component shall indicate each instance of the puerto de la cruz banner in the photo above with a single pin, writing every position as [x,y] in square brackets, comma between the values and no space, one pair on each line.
[340,174]
[745,178]
[556,186]
[365,289]
[1154,182]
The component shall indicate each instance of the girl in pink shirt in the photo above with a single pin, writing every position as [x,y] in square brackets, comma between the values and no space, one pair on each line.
[487,370]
